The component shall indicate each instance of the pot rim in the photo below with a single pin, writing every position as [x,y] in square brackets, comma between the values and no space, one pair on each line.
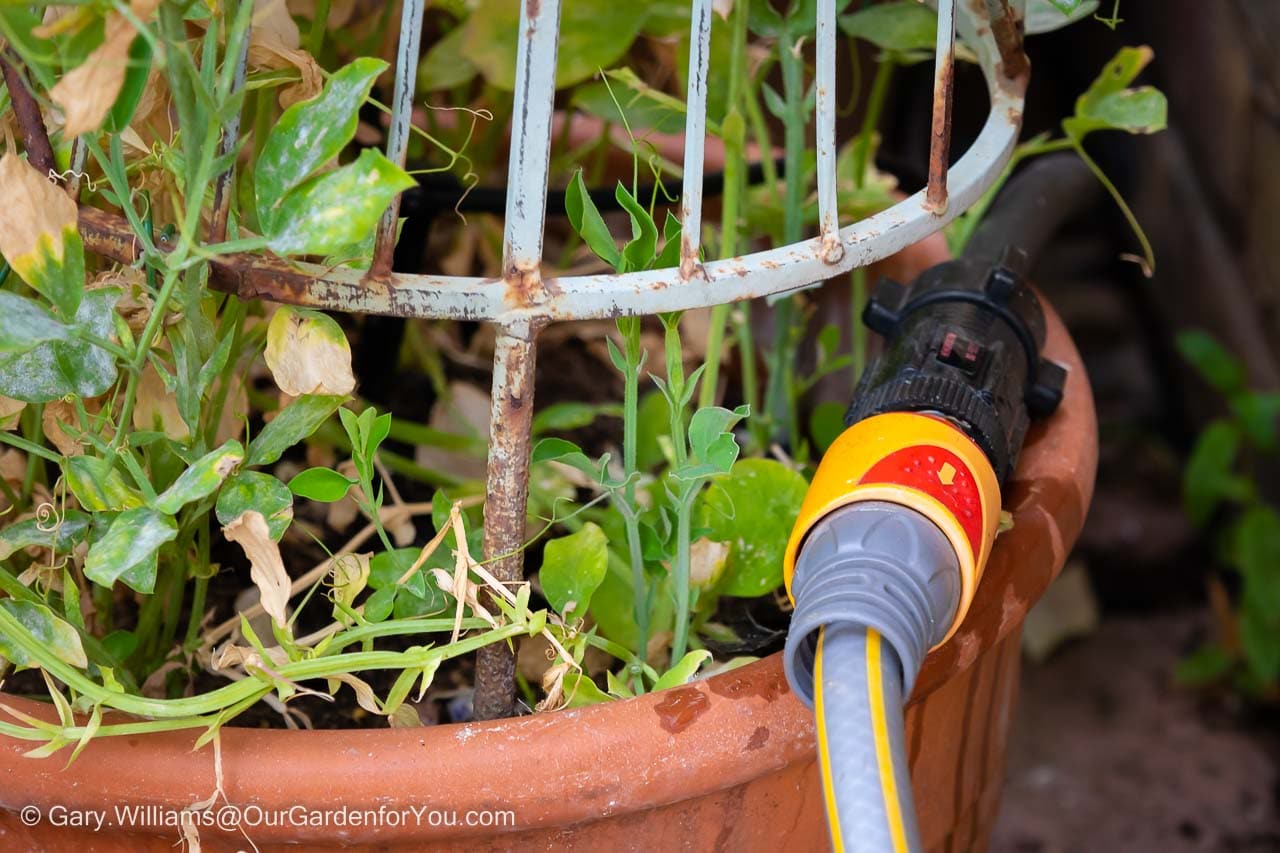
[570,766]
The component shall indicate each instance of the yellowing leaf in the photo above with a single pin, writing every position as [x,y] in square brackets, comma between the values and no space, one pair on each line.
[10,412]
[37,224]
[87,93]
[350,576]
[308,353]
[266,567]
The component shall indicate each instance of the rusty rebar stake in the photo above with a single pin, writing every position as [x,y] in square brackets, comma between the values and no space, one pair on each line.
[35,136]
[506,500]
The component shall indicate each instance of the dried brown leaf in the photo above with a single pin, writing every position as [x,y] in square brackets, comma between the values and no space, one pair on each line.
[57,415]
[308,353]
[31,207]
[87,92]
[157,407]
[266,567]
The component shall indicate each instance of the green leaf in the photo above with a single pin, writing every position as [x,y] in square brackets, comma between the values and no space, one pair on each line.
[901,26]
[45,628]
[1109,104]
[386,569]
[567,416]
[337,208]
[753,509]
[294,423]
[561,450]
[202,479]
[61,367]
[617,687]
[594,34]
[1204,666]
[310,134]
[683,671]
[826,423]
[710,425]
[255,490]
[98,486]
[120,645]
[377,607]
[1219,367]
[25,324]
[643,106]
[378,433]
[128,550]
[410,605]
[1258,413]
[638,253]
[669,257]
[580,691]
[55,269]
[586,220]
[136,74]
[60,535]
[572,568]
[1045,16]
[446,66]
[1208,478]
[1257,555]
[320,484]
[1260,637]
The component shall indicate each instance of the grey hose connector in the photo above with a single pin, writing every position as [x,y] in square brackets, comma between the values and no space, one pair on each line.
[866,813]
[876,585]
[872,564]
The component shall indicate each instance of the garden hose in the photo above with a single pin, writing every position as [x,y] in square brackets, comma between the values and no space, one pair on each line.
[893,535]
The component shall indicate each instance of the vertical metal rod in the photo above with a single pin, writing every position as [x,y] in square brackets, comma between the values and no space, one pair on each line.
[1006,27]
[511,416]
[384,241]
[828,210]
[506,500]
[230,138]
[943,81]
[695,138]
[530,137]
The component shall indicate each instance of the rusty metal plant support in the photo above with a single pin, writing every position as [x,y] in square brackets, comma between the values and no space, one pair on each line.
[522,301]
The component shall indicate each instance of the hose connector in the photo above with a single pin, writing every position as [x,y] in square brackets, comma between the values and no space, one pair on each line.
[875,565]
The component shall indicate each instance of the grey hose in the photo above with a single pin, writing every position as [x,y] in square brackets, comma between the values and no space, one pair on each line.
[876,586]
[865,742]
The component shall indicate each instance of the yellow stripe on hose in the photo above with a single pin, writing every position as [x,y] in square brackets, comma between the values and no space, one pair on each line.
[884,752]
[828,789]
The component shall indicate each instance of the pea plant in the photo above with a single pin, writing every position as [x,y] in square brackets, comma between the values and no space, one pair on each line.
[161,440]
[125,387]
[1220,494]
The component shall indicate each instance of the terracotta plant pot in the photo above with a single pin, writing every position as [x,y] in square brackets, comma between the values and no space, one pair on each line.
[727,763]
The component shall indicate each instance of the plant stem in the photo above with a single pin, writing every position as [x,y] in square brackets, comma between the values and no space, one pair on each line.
[630,329]
[315,38]
[859,331]
[780,396]
[680,577]
[863,143]
[734,132]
